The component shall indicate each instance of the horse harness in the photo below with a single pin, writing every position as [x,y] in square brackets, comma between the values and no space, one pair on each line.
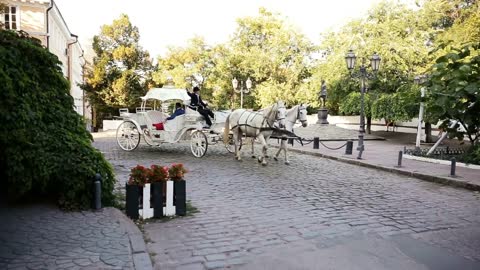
[255,114]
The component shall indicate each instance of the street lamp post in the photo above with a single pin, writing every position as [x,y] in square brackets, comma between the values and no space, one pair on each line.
[241,89]
[420,80]
[363,75]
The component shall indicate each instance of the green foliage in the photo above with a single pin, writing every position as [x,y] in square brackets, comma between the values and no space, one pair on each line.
[352,104]
[454,90]
[45,149]
[473,155]
[121,71]
[390,107]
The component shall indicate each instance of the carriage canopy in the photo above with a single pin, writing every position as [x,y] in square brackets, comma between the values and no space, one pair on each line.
[164,94]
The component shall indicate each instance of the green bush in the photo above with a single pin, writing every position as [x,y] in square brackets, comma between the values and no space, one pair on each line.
[473,155]
[45,148]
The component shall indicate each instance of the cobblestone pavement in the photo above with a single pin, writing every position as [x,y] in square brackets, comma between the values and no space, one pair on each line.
[44,237]
[314,214]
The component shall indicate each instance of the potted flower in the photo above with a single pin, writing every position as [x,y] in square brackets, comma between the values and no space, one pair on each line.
[177,173]
[135,183]
[157,176]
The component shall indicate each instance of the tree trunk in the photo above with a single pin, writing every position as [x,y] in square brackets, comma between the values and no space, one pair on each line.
[428,132]
[369,125]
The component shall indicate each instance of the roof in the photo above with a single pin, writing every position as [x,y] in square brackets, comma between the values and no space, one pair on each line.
[164,94]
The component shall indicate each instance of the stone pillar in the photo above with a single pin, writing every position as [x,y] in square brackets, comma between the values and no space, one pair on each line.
[322,116]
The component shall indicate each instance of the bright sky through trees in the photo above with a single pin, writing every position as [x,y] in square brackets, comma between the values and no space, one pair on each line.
[165,23]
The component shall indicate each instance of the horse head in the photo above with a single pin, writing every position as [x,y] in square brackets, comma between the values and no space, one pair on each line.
[280,114]
[302,114]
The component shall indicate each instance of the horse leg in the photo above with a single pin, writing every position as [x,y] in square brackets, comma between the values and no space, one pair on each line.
[287,162]
[236,133]
[264,150]
[282,146]
[253,147]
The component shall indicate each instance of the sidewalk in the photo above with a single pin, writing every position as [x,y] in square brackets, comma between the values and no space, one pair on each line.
[41,236]
[381,152]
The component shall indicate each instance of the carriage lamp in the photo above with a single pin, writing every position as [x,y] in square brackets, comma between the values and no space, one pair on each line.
[350,59]
[242,89]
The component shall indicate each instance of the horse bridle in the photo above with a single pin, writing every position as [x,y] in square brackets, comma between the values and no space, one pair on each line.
[298,116]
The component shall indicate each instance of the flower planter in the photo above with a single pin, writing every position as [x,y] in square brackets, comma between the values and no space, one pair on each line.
[158,198]
[132,200]
[179,190]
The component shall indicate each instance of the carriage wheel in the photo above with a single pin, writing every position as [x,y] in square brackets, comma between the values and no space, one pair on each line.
[198,143]
[230,144]
[147,138]
[128,136]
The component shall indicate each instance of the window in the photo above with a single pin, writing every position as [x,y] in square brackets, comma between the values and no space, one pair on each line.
[10,18]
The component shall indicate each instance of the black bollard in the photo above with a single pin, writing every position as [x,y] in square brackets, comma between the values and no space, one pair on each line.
[349,148]
[97,192]
[316,143]
[400,155]
[453,166]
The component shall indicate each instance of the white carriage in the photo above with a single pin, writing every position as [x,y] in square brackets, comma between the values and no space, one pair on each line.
[188,127]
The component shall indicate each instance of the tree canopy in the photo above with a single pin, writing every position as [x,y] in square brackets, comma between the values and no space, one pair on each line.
[121,70]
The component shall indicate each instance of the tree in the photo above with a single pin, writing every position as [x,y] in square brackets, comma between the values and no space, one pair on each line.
[454,90]
[398,35]
[121,71]
[188,66]
[273,54]
[45,150]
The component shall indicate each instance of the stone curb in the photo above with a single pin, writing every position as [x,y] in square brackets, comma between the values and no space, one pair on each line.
[141,258]
[431,178]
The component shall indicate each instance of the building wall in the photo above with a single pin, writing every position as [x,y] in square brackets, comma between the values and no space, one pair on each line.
[33,20]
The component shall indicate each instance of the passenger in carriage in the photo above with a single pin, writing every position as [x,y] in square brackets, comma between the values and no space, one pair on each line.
[198,104]
[179,110]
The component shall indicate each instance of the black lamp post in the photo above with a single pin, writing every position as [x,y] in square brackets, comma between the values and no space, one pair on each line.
[363,75]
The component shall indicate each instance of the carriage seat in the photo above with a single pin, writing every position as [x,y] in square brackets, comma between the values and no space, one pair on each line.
[192,115]
[156,116]
[153,119]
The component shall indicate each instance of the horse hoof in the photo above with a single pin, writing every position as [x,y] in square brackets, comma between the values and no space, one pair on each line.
[276,159]
[254,157]
[287,163]
[264,164]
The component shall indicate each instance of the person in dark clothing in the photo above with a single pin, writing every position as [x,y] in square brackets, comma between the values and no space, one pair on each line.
[178,111]
[197,103]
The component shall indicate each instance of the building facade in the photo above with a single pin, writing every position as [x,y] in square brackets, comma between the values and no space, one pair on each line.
[42,19]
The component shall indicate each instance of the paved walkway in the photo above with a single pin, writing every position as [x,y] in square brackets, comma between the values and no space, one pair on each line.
[41,236]
[381,152]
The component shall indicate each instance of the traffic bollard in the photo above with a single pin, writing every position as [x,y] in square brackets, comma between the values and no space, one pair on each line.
[316,143]
[453,166]
[400,155]
[97,192]
[349,148]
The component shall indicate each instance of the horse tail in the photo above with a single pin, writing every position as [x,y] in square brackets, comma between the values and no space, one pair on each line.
[226,131]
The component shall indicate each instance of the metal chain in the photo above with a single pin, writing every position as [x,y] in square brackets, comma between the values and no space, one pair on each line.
[333,148]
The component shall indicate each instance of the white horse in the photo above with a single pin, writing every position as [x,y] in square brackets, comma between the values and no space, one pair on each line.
[254,124]
[298,112]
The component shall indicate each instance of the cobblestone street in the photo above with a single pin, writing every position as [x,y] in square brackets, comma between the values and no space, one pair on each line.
[312,214]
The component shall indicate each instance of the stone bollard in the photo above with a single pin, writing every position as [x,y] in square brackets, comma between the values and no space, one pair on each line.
[349,148]
[97,192]
[316,143]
